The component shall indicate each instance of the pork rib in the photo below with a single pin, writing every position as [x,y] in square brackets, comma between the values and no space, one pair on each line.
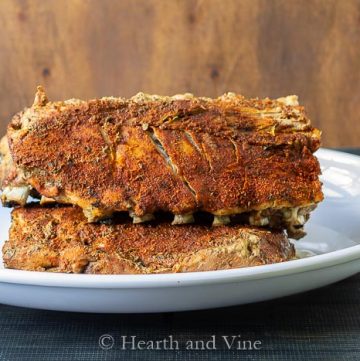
[61,240]
[180,154]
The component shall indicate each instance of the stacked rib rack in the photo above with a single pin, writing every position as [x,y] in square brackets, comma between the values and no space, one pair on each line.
[144,182]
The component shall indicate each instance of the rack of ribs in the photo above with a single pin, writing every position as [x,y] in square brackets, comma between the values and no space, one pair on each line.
[61,240]
[228,156]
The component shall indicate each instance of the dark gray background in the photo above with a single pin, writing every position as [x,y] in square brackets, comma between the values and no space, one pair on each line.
[318,325]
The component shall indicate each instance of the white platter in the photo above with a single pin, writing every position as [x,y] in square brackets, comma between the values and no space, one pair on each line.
[333,241]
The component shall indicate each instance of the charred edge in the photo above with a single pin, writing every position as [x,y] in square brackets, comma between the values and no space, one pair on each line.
[160,148]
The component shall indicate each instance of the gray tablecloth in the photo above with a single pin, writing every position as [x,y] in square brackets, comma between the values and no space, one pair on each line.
[319,325]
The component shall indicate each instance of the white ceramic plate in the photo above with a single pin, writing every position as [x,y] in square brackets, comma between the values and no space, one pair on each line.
[332,250]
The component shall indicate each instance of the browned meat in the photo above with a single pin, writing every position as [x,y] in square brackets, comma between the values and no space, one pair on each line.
[61,240]
[177,154]
[5,161]
[12,179]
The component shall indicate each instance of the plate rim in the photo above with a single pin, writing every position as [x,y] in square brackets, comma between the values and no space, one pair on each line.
[68,280]
[321,152]
[65,280]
